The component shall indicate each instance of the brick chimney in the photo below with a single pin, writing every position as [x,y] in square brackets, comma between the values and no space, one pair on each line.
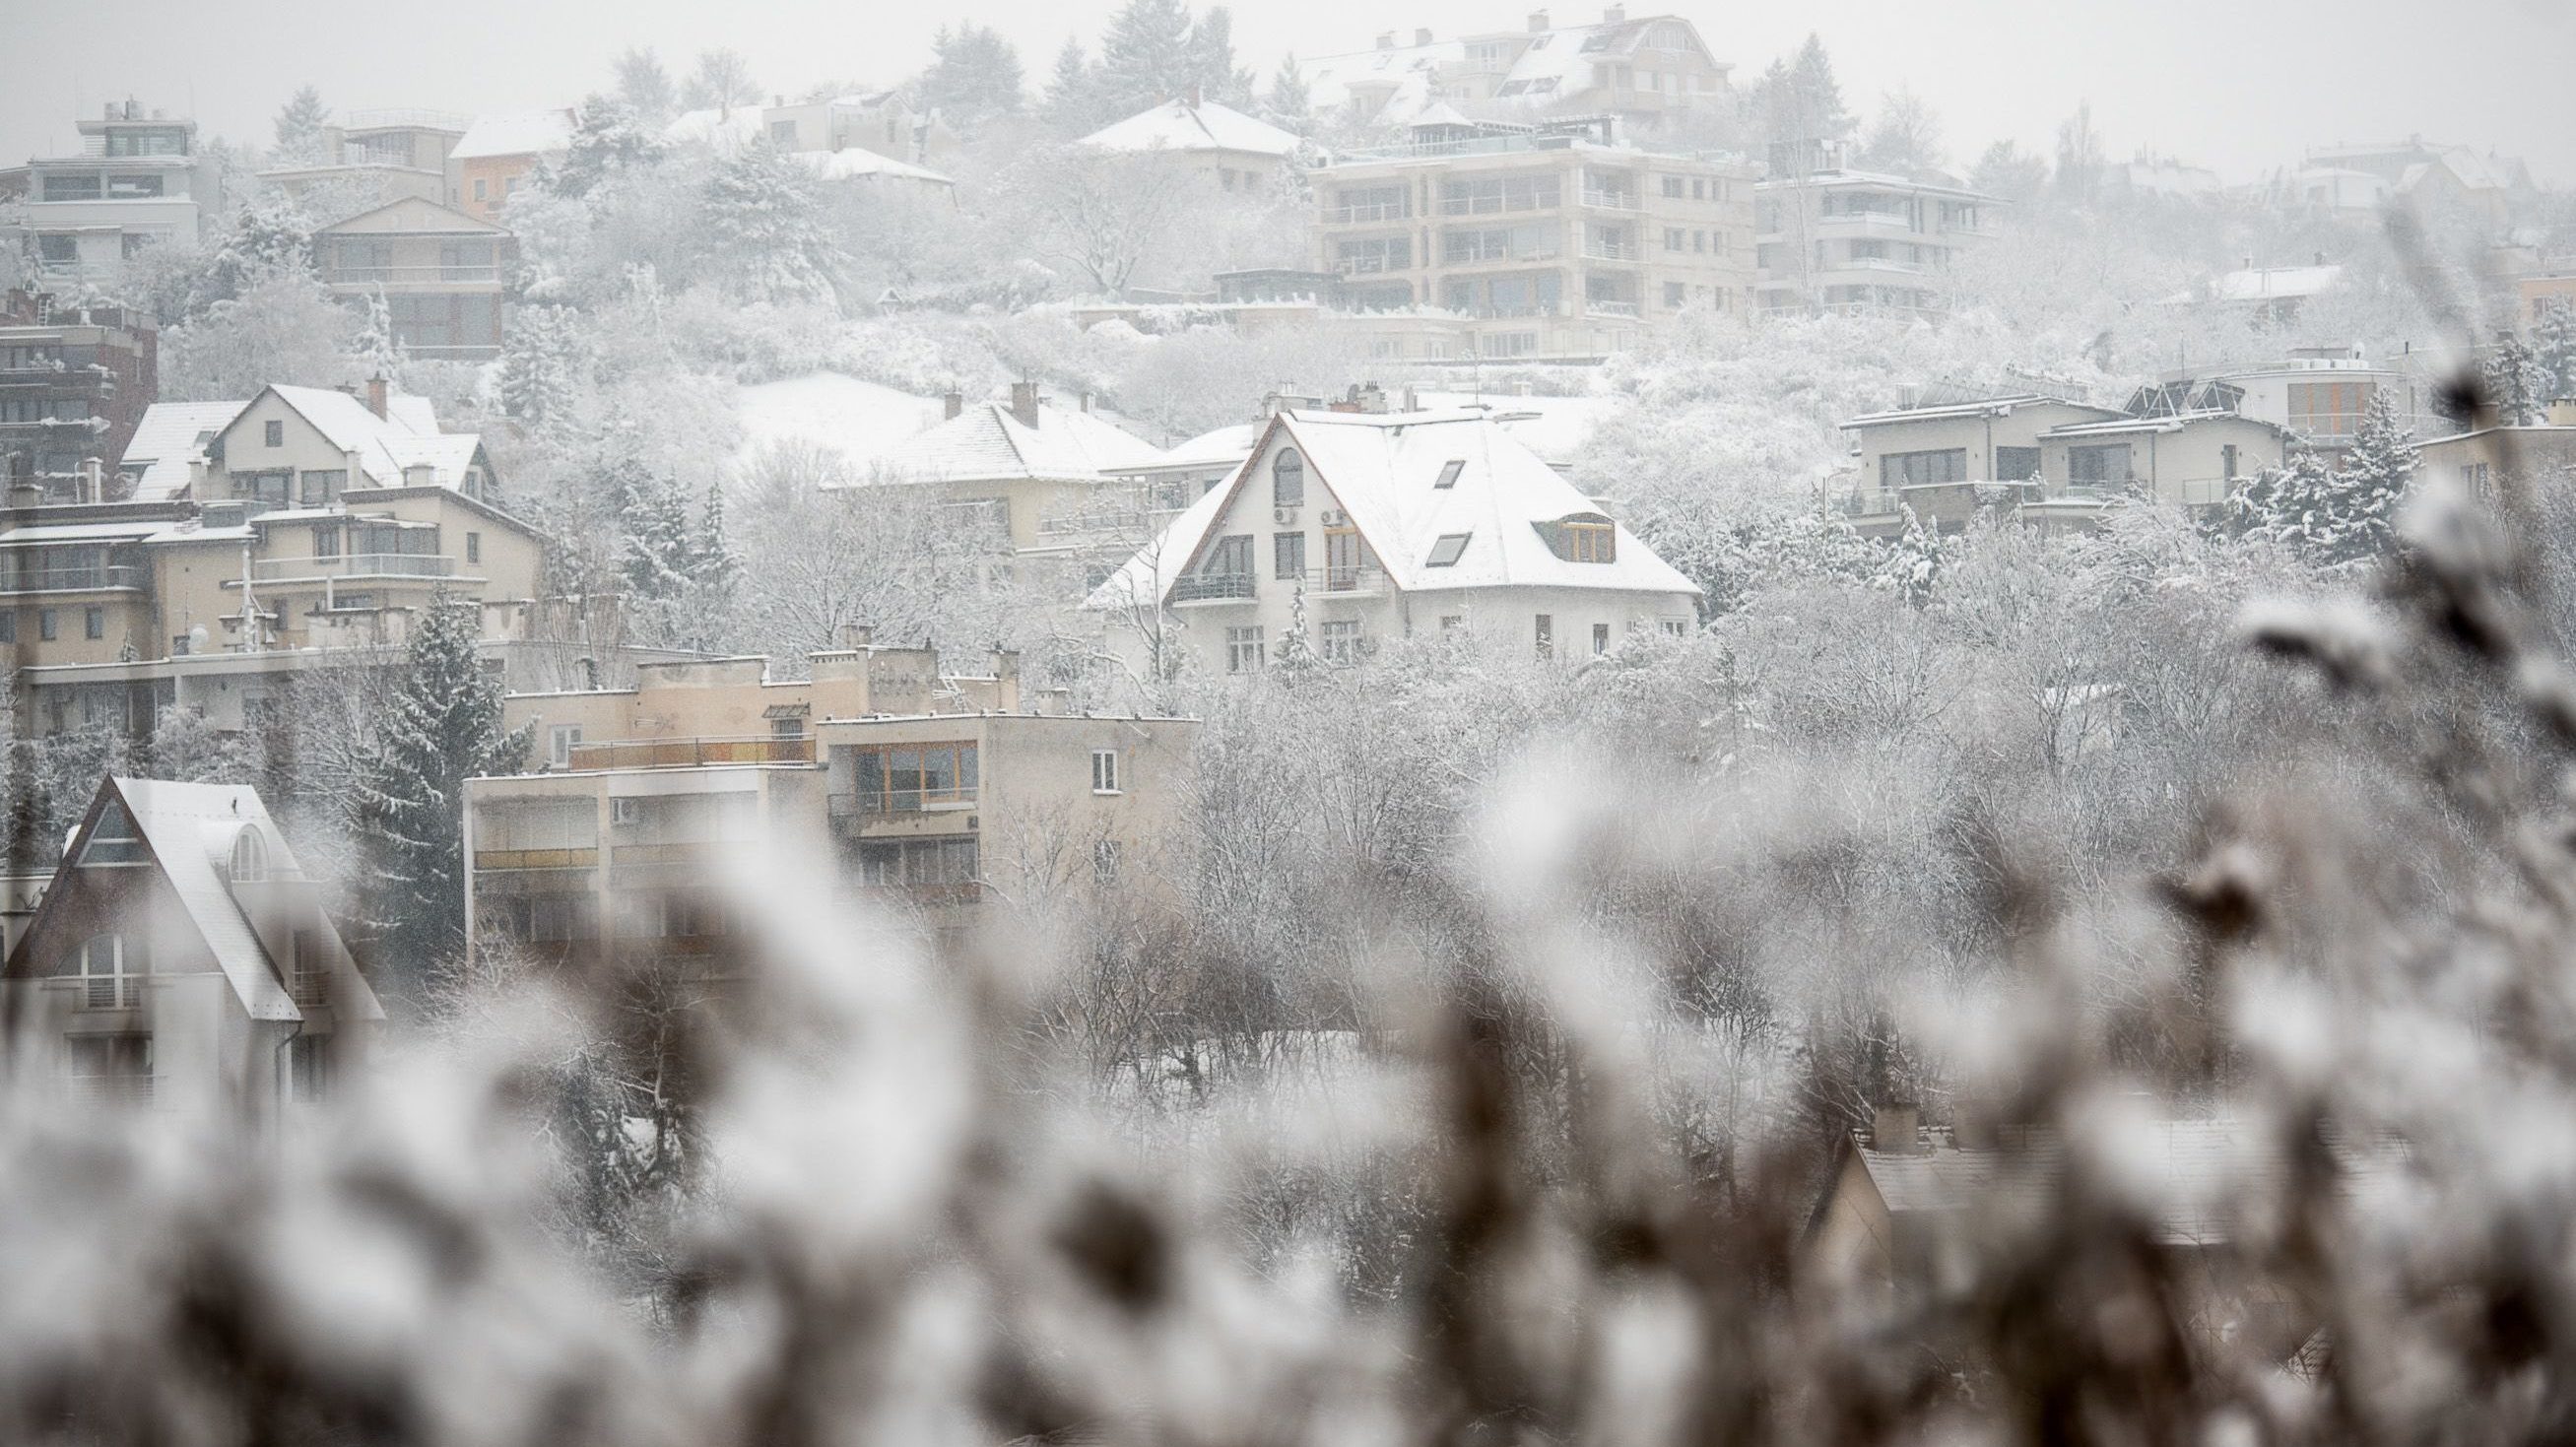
[1024,403]
[1614,15]
[953,403]
[1386,40]
[2562,412]
[1893,1130]
[1421,37]
[1537,21]
[1195,100]
[376,395]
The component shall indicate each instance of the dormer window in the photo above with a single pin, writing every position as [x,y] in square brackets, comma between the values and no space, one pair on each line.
[250,857]
[1449,472]
[1287,479]
[1582,538]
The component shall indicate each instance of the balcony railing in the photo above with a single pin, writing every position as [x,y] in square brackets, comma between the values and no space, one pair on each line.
[846,809]
[1610,200]
[1614,251]
[408,275]
[1375,211]
[964,892]
[1604,307]
[1209,587]
[354,565]
[83,420]
[116,1090]
[1346,580]
[691,753]
[74,580]
[499,859]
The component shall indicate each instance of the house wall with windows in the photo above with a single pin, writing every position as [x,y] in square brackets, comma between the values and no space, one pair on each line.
[1547,244]
[138,182]
[2483,461]
[439,271]
[1837,240]
[74,382]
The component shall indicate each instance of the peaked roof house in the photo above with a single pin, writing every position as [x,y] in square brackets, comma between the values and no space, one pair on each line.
[1346,528]
[182,959]
[836,140]
[1647,71]
[497,153]
[439,271]
[1227,147]
[180,445]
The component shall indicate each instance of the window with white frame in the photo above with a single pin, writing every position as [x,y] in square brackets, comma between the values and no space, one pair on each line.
[559,744]
[1104,771]
[1287,480]
[110,970]
[1339,640]
[1105,859]
[1245,650]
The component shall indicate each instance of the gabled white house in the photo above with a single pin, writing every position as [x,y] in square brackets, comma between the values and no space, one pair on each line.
[1231,149]
[1346,529]
[181,959]
[304,445]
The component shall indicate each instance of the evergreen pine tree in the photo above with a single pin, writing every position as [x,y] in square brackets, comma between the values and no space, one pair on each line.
[1150,54]
[714,567]
[377,349]
[609,139]
[299,127]
[543,364]
[644,87]
[2515,384]
[1914,561]
[2553,347]
[974,75]
[1071,104]
[763,229]
[2372,485]
[655,551]
[1211,59]
[1291,103]
[442,728]
[2294,506]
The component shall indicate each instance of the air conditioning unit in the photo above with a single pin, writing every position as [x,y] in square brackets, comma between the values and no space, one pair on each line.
[625,811]
[1284,516]
[1336,518]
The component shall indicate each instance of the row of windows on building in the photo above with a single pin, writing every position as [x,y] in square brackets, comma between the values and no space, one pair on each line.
[1341,641]
[49,623]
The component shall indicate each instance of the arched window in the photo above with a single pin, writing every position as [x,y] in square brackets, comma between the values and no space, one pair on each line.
[250,856]
[110,969]
[1287,479]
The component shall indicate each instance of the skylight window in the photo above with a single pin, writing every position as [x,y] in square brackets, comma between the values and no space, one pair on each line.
[1449,472]
[1446,551]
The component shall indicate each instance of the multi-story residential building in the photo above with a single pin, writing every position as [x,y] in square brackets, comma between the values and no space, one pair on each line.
[2429,174]
[379,156]
[1553,241]
[1054,480]
[1842,240]
[1653,73]
[439,270]
[1223,147]
[75,382]
[2319,393]
[1345,529]
[492,160]
[2486,460]
[932,792]
[181,959]
[138,181]
[304,519]
[2050,460]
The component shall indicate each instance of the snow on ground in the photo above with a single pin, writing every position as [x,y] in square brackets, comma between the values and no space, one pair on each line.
[859,420]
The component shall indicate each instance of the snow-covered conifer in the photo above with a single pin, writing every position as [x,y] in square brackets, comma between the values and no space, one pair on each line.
[299,128]
[762,230]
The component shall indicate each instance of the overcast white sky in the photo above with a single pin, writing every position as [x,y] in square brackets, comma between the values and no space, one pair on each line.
[2241,85]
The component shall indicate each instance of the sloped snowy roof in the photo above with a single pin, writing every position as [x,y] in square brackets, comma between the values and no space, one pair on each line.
[1982,407]
[860,420]
[526,133]
[190,830]
[171,435]
[725,130]
[1551,65]
[1382,468]
[986,442]
[2266,283]
[852,163]
[1180,126]
[2171,422]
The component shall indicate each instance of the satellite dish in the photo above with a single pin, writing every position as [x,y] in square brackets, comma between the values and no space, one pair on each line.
[198,638]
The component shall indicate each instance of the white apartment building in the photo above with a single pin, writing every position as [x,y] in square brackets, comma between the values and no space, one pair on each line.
[137,182]
[1550,241]
[1652,72]
[1345,529]
[1838,240]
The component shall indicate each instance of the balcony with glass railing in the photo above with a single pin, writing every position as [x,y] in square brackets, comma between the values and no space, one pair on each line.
[402,276]
[1213,587]
[691,753]
[353,565]
[103,578]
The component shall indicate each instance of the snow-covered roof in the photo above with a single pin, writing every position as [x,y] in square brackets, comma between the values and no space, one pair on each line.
[1981,407]
[986,442]
[411,216]
[1221,447]
[860,420]
[170,436]
[852,163]
[190,830]
[2270,283]
[2173,422]
[1384,469]
[1550,66]
[1178,125]
[728,132]
[78,533]
[526,133]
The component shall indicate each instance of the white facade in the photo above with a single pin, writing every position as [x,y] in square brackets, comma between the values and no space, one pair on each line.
[1344,530]
[137,182]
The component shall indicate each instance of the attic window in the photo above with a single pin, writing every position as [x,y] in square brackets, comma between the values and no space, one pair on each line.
[1592,43]
[1581,539]
[1449,472]
[1446,551]
[113,839]
[1287,479]
[250,857]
